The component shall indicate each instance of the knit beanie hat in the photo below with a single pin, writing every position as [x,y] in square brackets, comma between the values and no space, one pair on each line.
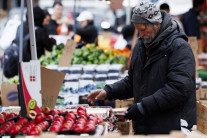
[146,12]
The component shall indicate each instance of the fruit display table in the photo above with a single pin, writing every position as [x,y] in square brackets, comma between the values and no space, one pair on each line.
[70,120]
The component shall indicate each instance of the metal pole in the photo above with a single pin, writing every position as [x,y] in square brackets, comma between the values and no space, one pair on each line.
[74,9]
[31,30]
[21,31]
[128,12]
[19,86]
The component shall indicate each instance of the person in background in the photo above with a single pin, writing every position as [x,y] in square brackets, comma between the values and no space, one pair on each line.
[87,31]
[128,30]
[42,38]
[161,76]
[165,7]
[43,43]
[57,19]
[47,18]
[190,19]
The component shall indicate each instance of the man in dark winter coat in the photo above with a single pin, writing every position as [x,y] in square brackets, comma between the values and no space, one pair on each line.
[191,19]
[161,77]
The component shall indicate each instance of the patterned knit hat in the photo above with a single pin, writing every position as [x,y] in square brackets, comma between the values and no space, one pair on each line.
[146,12]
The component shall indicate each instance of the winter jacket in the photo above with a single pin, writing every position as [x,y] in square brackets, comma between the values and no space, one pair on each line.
[191,23]
[161,78]
[42,41]
[52,27]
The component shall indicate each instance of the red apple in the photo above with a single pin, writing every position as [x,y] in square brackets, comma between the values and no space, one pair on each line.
[23,121]
[89,127]
[69,120]
[54,128]
[2,119]
[78,128]
[84,117]
[46,124]
[81,121]
[46,110]
[54,112]
[66,126]
[60,111]
[25,130]
[57,123]
[2,130]
[10,115]
[81,112]
[71,115]
[40,117]
[32,122]
[59,118]
[81,108]
[49,117]
[34,132]
[9,123]
[2,116]
[75,113]
[93,119]
[38,127]
[5,114]
[43,125]
[14,130]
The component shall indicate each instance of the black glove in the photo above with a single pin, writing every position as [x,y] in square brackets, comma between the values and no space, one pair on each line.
[134,113]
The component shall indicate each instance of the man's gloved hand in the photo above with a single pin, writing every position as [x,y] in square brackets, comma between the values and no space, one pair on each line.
[134,113]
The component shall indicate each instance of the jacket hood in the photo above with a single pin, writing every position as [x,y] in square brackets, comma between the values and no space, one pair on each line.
[167,27]
[39,16]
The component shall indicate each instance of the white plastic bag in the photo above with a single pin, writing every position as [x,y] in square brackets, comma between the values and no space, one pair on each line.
[9,33]
[120,43]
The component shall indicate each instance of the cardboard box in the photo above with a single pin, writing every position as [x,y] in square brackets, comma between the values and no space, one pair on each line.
[51,82]
[198,92]
[202,125]
[123,127]
[202,109]
[195,46]
[123,103]
[9,95]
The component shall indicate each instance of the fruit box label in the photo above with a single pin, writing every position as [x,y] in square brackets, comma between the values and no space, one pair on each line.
[9,95]
[123,127]
[31,85]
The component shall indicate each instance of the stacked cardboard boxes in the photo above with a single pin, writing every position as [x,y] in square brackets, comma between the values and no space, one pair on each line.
[202,116]
[194,45]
